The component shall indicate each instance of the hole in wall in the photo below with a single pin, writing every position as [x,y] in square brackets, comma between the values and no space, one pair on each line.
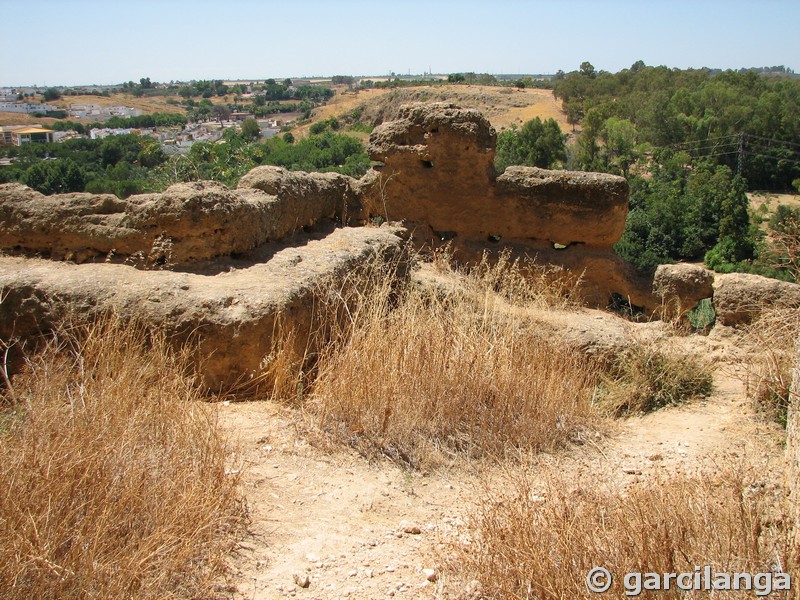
[428,164]
[445,235]
[624,307]
[494,238]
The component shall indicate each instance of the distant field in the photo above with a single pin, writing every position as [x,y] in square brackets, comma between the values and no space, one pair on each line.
[772,201]
[502,106]
[9,118]
[156,104]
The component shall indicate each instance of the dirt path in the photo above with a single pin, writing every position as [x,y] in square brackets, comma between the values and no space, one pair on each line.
[351,529]
[355,529]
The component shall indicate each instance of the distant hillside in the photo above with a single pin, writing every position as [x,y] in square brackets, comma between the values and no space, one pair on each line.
[503,106]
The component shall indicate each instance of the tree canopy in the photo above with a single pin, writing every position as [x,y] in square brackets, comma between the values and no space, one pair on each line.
[536,144]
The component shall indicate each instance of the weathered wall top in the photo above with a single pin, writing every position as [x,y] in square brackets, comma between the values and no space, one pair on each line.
[187,222]
[427,132]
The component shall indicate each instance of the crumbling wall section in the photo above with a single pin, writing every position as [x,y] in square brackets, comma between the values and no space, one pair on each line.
[186,223]
[232,319]
[438,176]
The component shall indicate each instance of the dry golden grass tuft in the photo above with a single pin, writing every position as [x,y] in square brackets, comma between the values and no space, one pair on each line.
[769,368]
[541,541]
[428,375]
[114,472]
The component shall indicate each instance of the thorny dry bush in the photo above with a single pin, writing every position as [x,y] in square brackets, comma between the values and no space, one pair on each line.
[114,472]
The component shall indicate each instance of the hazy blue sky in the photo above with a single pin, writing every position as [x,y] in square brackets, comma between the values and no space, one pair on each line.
[65,42]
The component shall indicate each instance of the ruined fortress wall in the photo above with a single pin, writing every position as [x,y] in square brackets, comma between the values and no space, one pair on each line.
[438,176]
[232,319]
[438,170]
[188,222]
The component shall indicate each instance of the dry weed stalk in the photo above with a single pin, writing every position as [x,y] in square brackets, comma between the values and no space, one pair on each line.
[114,471]
[541,540]
[784,247]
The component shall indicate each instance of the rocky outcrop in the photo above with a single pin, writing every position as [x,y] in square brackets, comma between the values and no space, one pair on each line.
[186,223]
[740,297]
[232,319]
[681,287]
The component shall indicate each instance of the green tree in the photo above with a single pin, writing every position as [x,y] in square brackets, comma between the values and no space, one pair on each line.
[735,241]
[587,144]
[151,155]
[537,144]
[251,129]
[619,138]
[220,112]
[55,176]
[587,69]
[574,110]
[51,94]
[685,211]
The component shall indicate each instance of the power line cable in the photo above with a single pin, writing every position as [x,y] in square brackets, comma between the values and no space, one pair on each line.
[760,137]
[778,158]
[705,141]
[714,147]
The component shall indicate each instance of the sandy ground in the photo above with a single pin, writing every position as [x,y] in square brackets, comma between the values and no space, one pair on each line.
[349,528]
[772,201]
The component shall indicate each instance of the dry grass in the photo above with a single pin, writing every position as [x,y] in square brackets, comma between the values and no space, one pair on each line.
[646,377]
[148,105]
[114,473]
[768,375]
[432,374]
[542,541]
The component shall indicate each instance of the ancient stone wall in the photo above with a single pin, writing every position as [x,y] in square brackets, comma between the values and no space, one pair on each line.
[438,172]
[232,318]
[438,177]
[186,223]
